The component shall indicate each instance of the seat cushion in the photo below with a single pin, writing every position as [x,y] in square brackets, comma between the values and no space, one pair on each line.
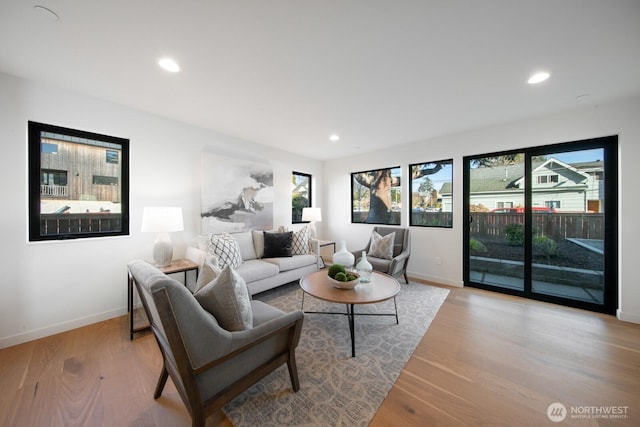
[263,312]
[379,264]
[291,263]
[256,269]
[227,298]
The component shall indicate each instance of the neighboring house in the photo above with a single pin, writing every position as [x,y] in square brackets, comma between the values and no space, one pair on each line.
[78,169]
[558,185]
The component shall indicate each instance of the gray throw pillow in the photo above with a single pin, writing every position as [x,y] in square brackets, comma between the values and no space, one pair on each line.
[207,273]
[227,298]
[382,246]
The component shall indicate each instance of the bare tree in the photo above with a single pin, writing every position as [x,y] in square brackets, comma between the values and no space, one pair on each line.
[379,183]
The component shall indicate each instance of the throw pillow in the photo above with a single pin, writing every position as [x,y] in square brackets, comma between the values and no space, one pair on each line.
[300,242]
[207,273]
[227,298]
[277,244]
[258,242]
[226,249]
[382,246]
[245,243]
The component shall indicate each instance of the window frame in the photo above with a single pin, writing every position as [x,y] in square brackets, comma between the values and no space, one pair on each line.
[77,225]
[294,217]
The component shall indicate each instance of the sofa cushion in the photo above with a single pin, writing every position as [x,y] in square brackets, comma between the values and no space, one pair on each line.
[256,269]
[291,263]
[226,249]
[245,243]
[382,246]
[277,244]
[227,298]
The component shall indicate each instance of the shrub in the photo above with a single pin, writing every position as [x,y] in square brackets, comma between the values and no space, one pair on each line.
[514,234]
[543,245]
[477,246]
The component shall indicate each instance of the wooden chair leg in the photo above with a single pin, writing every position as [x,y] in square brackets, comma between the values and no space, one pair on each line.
[161,382]
[293,371]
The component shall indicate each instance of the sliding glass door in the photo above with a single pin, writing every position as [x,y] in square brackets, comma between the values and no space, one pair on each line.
[541,223]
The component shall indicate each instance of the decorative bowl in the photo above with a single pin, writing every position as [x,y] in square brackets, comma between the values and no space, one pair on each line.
[345,285]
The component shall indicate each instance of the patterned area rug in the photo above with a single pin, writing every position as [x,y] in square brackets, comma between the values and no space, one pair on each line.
[336,389]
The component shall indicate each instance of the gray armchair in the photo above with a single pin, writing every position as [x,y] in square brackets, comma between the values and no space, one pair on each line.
[208,364]
[401,252]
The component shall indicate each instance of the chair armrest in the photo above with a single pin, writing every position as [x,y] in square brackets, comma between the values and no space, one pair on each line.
[398,261]
[357,255]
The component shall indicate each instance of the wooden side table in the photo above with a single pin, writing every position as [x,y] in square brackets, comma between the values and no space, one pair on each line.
[176,266]
[323,243]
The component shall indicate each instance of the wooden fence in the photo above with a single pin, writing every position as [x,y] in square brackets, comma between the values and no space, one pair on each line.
[60,224]
[557,226]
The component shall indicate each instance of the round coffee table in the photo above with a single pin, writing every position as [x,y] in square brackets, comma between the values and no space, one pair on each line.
[381,288]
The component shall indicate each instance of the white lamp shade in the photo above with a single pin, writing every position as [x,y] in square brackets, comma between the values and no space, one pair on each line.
[162,219]
[311,214]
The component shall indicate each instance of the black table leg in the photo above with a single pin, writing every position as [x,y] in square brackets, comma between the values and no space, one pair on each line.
[352,328]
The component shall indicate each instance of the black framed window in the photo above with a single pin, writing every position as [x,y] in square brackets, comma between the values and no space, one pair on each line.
[300,195]
[376,196]
[431,189]
[78,184]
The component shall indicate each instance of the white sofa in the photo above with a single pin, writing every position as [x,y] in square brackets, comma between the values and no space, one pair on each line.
[262,273]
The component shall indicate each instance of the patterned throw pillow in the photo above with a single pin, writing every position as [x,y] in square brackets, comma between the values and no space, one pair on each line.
[382,246]
[226,249]
[300,242]
[227,298]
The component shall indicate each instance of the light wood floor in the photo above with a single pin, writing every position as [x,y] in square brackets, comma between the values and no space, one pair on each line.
[487,359]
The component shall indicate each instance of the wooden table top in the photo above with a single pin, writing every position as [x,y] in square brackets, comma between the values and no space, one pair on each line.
[381,288]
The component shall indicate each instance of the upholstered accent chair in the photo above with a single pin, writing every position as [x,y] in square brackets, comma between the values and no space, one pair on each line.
[396,264]
[208,364]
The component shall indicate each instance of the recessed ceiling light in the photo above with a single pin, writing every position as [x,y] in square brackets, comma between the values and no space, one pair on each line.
[169,65]
[46,12]
[538,78]
[334,137]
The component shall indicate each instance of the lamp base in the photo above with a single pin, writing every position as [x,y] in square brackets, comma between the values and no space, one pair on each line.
[162,251]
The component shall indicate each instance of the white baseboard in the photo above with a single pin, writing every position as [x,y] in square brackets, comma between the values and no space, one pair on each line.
[60,327]
[628,317]
[436,279]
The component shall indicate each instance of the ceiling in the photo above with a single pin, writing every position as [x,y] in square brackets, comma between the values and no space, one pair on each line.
[289,73]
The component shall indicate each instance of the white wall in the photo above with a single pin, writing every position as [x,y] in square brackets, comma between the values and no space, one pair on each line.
[49,287]
[428,244]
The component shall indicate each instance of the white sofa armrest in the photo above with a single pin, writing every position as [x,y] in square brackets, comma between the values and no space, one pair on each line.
[199,256]
[314,246]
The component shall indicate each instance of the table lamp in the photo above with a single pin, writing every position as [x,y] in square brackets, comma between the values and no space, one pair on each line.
[162,220]
[312,215]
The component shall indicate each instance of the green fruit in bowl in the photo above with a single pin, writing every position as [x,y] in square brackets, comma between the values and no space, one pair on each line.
[335,269]
[341,277]
[351,277]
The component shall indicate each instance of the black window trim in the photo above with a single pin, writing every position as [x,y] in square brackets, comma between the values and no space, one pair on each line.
[34,136]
